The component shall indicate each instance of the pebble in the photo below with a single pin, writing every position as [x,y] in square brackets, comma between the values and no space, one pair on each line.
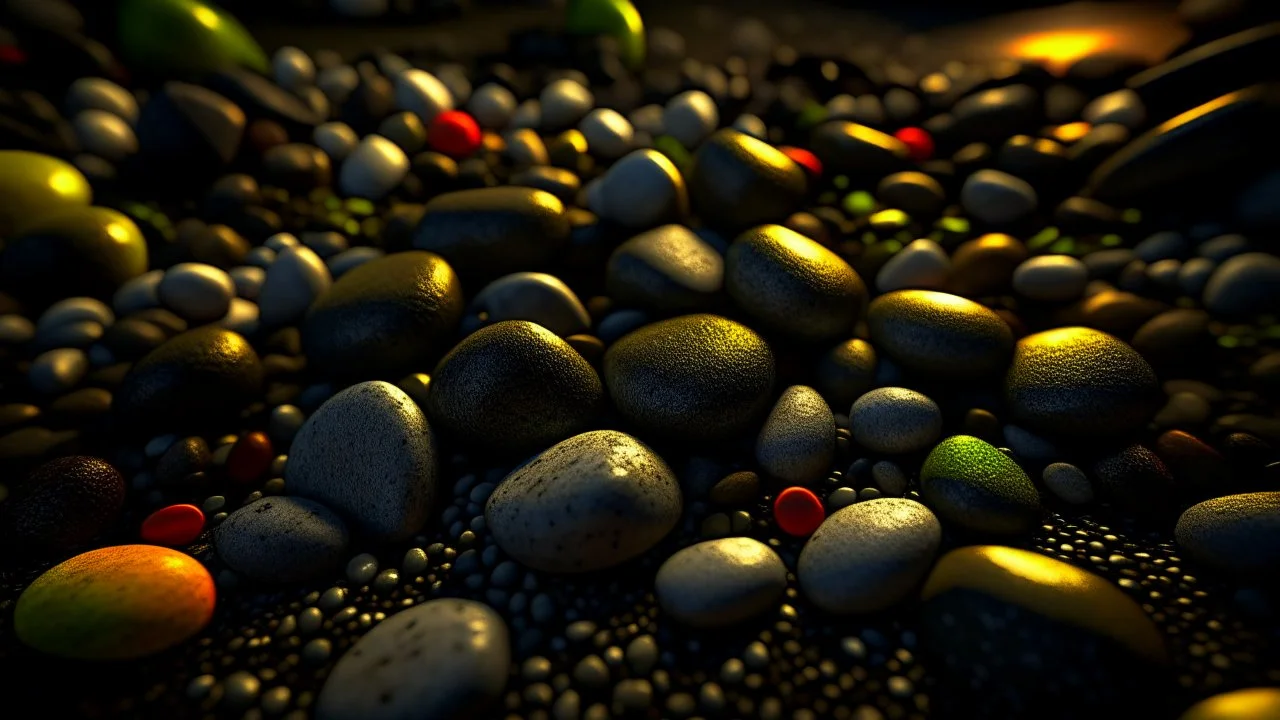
[940,334]
[642,190]
[1068,483]
[1245,284]
[96,93]
[798,441]
[737,181]
[292,68]
[368,454]
[869,556]
[492,105]
[1259,703]
[858,151]
[92,251]
[720,582]
[513,386]
[564,103]
[173,525]
[889,478]
[738,488]
[921,264]
[115,603]
[1238,535]
[977,488]
[537,297]
[920,195]
[384,318]
[422,93]
[1122,107]
[57,371]
[1079,382]
[667,269]
[196,378]
[1051,278]
[442,659]
[845,372]
[608,133]
[895,421]
[489,232]
[336,139]
[199,293]
[15,329]
[690,117]
[997,198]
[588,503]
[374,168]
[61,504]
[361,569]
[105,135]
[292,284]
[697,377]
[1048,610]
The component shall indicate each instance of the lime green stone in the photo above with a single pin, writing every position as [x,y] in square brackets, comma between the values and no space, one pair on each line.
[616,18]
[1131,216]
[674,151]
[859,203]
[811,116]
[1043,239]
[841,182]
[1111,240]
[970,484]
[185,37]
[954,225]
[1063,246]
[359,206]
[32,184]
[889,220]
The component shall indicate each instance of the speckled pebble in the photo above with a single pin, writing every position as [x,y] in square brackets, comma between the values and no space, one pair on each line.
[282,540]
[798,440]
[1068,482]
[895,420]
[720,582]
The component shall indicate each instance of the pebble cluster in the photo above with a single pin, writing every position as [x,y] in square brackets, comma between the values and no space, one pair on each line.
[592,380]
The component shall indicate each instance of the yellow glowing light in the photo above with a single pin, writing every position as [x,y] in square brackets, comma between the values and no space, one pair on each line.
[1201,111]
[206,17]
[66,182]
[1060,48]
[1258,703]
[1071,132]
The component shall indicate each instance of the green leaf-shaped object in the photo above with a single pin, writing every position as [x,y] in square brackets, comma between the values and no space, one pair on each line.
[178,38]
[618,18]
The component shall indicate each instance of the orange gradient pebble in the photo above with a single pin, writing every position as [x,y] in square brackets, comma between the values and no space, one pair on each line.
[116,603]
[174,525]
[798,511]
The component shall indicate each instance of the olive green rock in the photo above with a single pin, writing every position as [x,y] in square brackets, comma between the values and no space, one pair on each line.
[694,377]
[970,484]
[73,251]
[185,37]
[793,286]
[939,334]
[33,184]
[617,18]
[1079,382]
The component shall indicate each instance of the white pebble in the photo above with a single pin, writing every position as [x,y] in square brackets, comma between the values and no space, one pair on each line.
[1068,482]
[492,106]
[564,103]
[294,281]
[93,93]
[336,139]
[921,265]
[293,68]
[72,310]
[1051,278]
[198,292]
[106,135]
[690,117]
[374,169]
[420,92]
[608,134]
[57,371]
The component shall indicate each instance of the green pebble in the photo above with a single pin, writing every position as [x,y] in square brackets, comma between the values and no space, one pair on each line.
[972,485]
[859,203]
[32,184]
[186,37]
[617,18]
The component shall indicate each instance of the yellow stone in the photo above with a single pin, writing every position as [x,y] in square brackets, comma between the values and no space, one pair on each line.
[32,184]
[1260,703]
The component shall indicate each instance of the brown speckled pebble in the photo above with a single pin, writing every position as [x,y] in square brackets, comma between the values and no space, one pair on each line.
[938,333]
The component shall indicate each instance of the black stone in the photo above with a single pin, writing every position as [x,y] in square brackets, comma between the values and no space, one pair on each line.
[490,232]
[1209,71]
[384,319]
[63,503]
[297,167]
[69,253]
[186,133]
[262,99]
[858,151]
[737,181]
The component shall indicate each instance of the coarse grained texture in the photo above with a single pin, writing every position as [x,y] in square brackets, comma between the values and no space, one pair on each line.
[588,503]
[196,378]
[738,181]
[798,440]
[695,376]
[442,659]
[493,231]
[868,556]
[282,540]
[514,386]
[937,332]
[369,454]
[793,285]
[1235,533]
[668,268]
[1079,382]
[971,484]
[64,502]
[385,318]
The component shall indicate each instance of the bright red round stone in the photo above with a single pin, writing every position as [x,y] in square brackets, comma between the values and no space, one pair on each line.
[454,133]
[173,526]
[805,159]
[918,141]
[250,457]
[798,511]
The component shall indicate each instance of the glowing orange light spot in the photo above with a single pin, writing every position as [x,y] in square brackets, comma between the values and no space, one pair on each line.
[1060,48]
[1071,132]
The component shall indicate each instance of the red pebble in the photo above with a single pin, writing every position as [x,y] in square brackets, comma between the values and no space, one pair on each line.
[454,133]
[250,457]
[918,141]
[805,159]
[12,55]
[174,525]
[798,511]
